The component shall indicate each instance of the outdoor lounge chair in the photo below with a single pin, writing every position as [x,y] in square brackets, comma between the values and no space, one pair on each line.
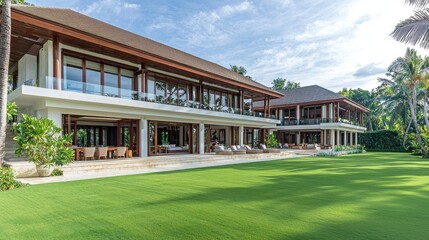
[266,150]
[220,150]
[249,150]
[237,150]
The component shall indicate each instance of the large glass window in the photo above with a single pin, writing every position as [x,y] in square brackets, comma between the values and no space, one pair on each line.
[206,99]
[212,99]
[172,93]
[127,84]
[182,95]
[93,77]
[151,89]
[160,91]
[73,74]
[111,81]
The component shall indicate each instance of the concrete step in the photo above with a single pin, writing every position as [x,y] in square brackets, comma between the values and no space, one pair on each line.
[135,165]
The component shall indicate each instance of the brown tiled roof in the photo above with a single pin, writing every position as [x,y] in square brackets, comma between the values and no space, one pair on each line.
[302,95]
[71,19]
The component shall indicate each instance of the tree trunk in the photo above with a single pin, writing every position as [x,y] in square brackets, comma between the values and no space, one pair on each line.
[5,36]
[413,108]
[425,111]
[406,133]
[370,122]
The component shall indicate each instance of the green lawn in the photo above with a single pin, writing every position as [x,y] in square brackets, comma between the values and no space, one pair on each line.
[366,196]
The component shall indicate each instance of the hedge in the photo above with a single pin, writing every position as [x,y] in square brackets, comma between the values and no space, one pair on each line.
[385,140]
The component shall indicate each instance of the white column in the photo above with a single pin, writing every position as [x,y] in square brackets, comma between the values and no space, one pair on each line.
[332,137]
[298,114]
[351,138]
[356,138]
[298,138]
[202,138]
[338,137]
[331,111]
[144,129]
[52,114]
[241,133]
[345,138]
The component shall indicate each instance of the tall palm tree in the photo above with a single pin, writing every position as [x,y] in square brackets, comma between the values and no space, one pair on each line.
[5,36]
[394,95]
[411,71]
[414,29]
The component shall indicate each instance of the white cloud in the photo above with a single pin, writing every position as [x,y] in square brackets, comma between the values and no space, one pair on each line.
[108,6]
[207,26]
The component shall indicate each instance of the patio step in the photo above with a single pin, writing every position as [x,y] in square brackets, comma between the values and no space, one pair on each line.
[139,165]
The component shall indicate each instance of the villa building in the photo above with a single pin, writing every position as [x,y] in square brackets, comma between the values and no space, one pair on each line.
[313,114]
[110,87]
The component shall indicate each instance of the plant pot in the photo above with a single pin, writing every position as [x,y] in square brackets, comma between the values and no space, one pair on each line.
[44,171]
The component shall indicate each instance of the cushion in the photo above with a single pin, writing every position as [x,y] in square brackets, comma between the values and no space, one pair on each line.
[234,148]
[263,147]
[221,148]
[247,147]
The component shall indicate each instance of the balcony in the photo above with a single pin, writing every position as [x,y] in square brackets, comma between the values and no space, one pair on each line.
[316,121]
[114,92]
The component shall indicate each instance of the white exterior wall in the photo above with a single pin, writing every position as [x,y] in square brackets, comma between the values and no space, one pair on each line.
[46,64]
[27,69]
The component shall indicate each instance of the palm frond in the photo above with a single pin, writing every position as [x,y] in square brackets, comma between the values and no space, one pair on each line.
[414,30]
[418,3]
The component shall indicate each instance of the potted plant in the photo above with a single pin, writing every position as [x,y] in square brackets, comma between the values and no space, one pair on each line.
[43,144]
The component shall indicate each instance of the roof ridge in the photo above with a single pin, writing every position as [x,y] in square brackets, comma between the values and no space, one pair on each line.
[45,7]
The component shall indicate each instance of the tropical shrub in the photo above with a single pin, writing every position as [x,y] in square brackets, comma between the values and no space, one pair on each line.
[57,172]
[7,179]
[272,141]
[11,110]
[42,142]
[382,140]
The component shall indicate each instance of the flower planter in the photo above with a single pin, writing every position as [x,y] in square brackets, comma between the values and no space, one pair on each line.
[44,171]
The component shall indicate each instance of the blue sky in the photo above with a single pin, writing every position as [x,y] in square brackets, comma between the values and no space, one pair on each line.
[332,43]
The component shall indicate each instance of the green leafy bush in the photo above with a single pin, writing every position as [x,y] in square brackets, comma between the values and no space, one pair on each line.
[272,141]
[11,110]
[7,179]
[386,140]
[57,172]
[41,140]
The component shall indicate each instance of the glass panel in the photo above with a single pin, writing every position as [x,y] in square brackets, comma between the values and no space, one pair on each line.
[182,95]
[93,77]
[151,89]
[127,84]
[111,81]
[160,91]
[72,74]
[172,93]
[224,101]
[151,138]
[206,99]
[217,101]
[212,99]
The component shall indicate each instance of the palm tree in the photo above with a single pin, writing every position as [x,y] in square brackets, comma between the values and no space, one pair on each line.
[410,72]
[5,36]
[394,95]
[414,30]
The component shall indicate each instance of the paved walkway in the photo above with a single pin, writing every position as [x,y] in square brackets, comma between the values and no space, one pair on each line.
[162,167]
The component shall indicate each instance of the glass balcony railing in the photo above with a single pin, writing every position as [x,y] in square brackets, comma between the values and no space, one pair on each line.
[315,121]
[111,91]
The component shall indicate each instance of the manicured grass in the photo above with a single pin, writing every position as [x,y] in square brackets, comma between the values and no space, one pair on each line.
[366,196]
